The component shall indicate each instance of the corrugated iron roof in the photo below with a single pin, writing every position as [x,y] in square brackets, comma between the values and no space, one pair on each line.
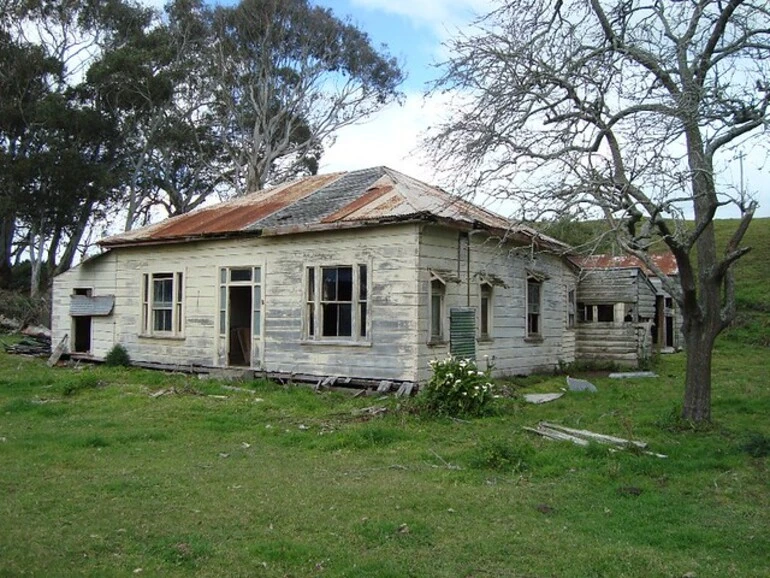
[666,262]
[86,305]
[357,198]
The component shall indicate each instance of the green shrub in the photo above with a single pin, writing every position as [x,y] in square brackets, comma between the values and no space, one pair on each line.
[118,356]
[457,388]
[503,456]
[757,446]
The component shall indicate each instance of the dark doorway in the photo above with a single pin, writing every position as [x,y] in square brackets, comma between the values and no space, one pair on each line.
[81,328]
[82,338]
[239,324]
[657,322]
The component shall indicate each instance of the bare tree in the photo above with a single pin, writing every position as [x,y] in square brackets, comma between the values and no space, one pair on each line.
[290,75]
[623,108]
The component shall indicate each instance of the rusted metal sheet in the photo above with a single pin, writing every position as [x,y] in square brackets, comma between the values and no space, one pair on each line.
[230,216]
[666,262]
[368,197]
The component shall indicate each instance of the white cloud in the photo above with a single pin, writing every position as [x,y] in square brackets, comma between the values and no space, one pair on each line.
[391,138]
[443,17]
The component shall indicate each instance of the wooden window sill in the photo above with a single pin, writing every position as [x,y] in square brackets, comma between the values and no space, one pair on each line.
[534,339]
[169,337]
[340,342]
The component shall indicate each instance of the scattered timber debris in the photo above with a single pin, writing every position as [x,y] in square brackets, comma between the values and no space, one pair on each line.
[371,410]
[30,346]
[181,391]
[384,386]
[580,385]
[405,390]
[241,389]
[447,465]
[37,331]
[584,437]
[8,325]
[57,353]
[538,398]
[631,374]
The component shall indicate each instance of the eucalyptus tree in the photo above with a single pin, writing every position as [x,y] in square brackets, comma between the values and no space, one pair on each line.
[290,75]
[628,109]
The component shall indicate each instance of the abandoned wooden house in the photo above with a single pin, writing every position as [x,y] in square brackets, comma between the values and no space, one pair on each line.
[367,274]
[624,313]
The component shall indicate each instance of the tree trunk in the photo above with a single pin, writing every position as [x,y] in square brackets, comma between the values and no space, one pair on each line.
[699,343]
[7,228]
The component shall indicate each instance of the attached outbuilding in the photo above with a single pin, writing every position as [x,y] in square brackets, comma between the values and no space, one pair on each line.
[365,275]
[624,313]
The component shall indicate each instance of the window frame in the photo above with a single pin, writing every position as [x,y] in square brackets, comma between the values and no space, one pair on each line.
[538,315]
[486,291]
[436,288]
[151,306]
[313,303]
[572,308]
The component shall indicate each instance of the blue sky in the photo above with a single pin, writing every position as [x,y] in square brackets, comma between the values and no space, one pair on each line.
[414,32]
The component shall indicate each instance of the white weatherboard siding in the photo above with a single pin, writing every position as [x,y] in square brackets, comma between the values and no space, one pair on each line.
[509,350]
[390,252]
[98,275]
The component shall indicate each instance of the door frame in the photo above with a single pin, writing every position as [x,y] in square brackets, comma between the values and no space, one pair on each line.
[256,334]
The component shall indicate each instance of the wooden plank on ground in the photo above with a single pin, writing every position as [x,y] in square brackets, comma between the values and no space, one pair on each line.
[57,352]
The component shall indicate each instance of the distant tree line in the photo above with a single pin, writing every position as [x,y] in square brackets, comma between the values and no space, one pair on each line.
[111,110]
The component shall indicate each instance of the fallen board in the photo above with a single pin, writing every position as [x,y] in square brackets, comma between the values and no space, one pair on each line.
[538,398]
[54,359]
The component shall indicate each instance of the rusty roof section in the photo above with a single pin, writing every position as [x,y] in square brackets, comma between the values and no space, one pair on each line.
[228,217]
[360,198]
[666,262]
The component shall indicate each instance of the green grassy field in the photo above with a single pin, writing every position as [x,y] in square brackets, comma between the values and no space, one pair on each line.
[99,478]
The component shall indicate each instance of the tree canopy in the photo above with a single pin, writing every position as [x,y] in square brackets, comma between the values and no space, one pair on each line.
[112,110]
[627,109]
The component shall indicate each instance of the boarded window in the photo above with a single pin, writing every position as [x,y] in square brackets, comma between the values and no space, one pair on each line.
[571,308]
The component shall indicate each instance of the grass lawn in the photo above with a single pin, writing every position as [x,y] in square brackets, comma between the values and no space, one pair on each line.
[99,478]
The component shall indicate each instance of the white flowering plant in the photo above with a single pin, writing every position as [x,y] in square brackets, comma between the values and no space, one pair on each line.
[457,388]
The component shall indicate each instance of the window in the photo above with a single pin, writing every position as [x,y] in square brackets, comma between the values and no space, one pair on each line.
[437,292]
[534,291]
[605,313]
[485,312]
[585,313]
[162,295]
[571,308]
[336,302]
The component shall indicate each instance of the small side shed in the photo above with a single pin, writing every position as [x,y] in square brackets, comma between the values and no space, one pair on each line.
[616,309]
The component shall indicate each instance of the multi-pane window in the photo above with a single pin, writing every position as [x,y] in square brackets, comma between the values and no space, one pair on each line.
[336,302]
[534,296]
[437,292]
[485,311]
[162,296]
